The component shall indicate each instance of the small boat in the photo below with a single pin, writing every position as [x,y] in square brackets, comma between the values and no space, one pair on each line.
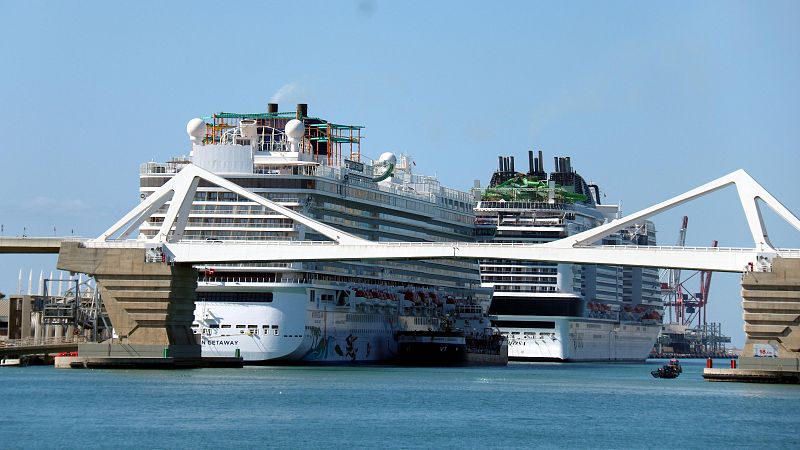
[669,370]
[11,362]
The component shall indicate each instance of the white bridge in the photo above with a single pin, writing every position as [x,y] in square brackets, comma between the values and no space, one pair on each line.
[578,248]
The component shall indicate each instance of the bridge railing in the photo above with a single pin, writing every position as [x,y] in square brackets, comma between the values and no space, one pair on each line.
[40,342]
[468,244]
[786,253]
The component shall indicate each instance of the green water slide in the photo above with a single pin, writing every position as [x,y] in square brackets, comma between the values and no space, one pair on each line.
[529,188]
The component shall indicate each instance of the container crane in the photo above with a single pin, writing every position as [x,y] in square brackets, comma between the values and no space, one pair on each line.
[688,331]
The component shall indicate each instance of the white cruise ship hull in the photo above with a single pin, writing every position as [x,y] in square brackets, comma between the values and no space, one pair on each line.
[572,340]
[292,329]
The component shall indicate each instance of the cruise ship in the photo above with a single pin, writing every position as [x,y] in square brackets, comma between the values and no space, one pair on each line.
[563,312]
[321,311]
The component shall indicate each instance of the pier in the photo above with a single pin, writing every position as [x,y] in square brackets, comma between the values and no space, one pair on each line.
[148,287]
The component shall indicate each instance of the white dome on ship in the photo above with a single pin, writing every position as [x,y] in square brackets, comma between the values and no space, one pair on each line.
[387,158]
[295,129]
[196,129]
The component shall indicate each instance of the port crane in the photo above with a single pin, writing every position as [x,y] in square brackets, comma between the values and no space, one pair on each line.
[688,326]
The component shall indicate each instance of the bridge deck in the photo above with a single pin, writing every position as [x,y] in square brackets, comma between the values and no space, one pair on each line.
[32,244]
[32,346]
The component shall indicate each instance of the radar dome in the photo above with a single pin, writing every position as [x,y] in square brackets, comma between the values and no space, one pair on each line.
[295,129]
[387,158]
[196,128]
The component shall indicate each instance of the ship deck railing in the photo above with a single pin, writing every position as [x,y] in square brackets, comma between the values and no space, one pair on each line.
[326,172]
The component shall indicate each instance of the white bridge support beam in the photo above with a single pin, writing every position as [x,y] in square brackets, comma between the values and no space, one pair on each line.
[180,191]
[750,192]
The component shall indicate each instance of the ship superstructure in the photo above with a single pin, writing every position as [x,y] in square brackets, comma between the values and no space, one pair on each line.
[324,311]
[563,312]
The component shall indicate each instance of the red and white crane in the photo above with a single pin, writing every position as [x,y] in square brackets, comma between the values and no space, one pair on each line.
[683,306]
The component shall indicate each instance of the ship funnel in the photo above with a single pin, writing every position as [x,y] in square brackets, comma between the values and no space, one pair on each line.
[302,110]
[272,108]
[531,165]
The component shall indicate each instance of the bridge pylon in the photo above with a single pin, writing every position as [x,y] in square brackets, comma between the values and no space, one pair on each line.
[150,305]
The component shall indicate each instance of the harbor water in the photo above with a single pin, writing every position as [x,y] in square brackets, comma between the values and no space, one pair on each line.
[519,406]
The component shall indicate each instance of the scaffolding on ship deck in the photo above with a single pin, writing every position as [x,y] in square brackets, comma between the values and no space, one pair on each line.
[322,138]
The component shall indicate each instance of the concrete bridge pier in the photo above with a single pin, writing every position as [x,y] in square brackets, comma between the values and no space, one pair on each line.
[150,305]
[771,302]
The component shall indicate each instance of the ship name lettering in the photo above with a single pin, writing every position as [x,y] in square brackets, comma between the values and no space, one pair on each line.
[208,341]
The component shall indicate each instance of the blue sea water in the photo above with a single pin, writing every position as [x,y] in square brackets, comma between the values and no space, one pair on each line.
[519,406]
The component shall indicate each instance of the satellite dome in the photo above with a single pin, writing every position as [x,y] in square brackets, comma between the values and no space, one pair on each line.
[387,158]
[295,129]
[196,128]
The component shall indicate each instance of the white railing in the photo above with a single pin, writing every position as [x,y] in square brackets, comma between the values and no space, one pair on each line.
[786,253]
[37,342]
[672,248]
[256,279]
[482,244]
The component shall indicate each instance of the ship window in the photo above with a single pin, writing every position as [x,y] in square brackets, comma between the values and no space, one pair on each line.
[266,327]
[226,326]
[239,326]
[213,325]
[275,331]
[311,295]
[274,327]
[195,325]
[250,297]
[252,326]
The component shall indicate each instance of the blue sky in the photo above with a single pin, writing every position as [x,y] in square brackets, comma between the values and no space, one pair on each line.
[649,100]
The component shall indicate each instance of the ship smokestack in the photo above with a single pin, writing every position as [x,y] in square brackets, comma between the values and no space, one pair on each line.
[555,160]
[531,165]
[541,161]
[568,164]
[302,110]
[500,163]
[272,108]
[512,164]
